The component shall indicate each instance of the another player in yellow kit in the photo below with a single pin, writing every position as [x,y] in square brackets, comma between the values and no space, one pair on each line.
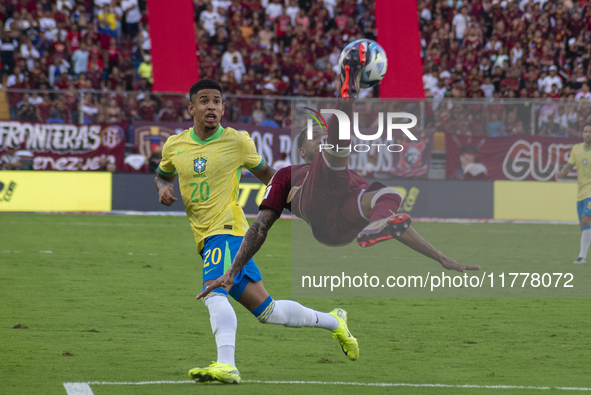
[580,157]
[208,160]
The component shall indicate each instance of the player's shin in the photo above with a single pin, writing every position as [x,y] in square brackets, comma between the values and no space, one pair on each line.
[384,204]
[223,324]
[292,314]
[333,125]
[412,239]
[585,241]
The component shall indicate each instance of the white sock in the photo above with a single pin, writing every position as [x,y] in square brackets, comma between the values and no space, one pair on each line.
[223,324]
[585,240]
[294,315]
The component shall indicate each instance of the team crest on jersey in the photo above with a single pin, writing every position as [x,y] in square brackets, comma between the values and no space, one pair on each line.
[199,164]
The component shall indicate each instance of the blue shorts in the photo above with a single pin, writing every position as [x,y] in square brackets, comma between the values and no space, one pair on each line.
[584,207]
[218,254]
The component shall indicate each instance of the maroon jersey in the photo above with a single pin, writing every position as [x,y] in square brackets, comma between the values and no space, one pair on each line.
[327,199]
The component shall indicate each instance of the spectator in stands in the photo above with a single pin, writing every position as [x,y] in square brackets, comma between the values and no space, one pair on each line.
[220,39]
[168,113]
[430,79]
[292,11]
[487,88]
[147,109]
[462,43]
[145,40]
[60,66]
[29,52]
[111,56]
[460,23]
[269,120]
[10,161]
[107,23]
[266,35]
[232,61]
[584,94]
[102,164]
[274,9]
[80,59]
[257,114]
[88,109]
[551,79]
[7,48]
[302,20]
[494,127]
[113,112]
[115,79]
[133,17]
[27,112]
[209,19]
[131,109]
[145,69]
[546,113]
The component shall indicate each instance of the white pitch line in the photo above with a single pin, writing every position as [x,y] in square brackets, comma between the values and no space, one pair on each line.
[78,389]
[140,382]
[84,388]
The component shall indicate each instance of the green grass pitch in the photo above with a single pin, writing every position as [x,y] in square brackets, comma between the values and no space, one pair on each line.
[112,298]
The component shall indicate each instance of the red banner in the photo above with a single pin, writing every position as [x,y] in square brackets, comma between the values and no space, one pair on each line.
[174,59]
[66,147]
[515,158]
[398,33]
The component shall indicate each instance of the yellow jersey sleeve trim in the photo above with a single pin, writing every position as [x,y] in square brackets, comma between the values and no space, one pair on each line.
[257,167]
[166,173]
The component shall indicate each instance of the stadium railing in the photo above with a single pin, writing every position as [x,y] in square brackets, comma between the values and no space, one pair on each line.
[478,117]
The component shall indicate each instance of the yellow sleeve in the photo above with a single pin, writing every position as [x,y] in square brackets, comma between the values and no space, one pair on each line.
[571,157]
[166,168]
[251,159]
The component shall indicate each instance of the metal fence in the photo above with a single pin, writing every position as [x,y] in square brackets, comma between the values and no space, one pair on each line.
[478,117]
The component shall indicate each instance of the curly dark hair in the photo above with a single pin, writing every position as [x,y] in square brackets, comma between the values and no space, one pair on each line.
[206,83]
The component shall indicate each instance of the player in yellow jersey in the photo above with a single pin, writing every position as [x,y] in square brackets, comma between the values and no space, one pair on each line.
[580,157]
[208,159]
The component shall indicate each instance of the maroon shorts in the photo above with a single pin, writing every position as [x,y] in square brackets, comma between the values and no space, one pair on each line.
[330,201]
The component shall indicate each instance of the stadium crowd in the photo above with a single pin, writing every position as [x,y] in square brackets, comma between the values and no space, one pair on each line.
[470,49]
[252,47]
[508,49]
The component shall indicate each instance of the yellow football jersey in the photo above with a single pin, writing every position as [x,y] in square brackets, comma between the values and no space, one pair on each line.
[581,158]
[209,173]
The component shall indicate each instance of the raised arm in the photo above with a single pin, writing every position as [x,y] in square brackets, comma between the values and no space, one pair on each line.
[264,174]
[165,189]
[253,240]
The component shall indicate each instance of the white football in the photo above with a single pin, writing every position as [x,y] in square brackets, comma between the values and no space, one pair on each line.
[376,62]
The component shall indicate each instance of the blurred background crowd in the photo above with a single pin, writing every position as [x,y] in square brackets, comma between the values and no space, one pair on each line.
[498,51]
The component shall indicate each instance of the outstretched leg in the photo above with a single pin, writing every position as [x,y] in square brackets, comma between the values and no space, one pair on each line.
[412,239]
[294,315]
[353,62]
[381,207]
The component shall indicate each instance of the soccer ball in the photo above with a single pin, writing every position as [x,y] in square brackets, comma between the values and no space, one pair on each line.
[376,63]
